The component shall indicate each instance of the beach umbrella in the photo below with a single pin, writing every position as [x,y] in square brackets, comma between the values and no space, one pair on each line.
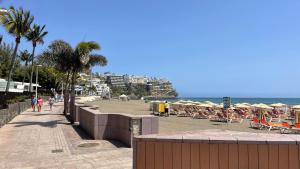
[262,106]
[277,105]
[296,106]
[176,103]
[248,104]
[189,104]
[219,105]
[211,103]
[241,106]
[205,105]
[123,95]
[197,103]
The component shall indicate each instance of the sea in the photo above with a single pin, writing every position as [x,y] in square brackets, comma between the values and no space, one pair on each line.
[288,101]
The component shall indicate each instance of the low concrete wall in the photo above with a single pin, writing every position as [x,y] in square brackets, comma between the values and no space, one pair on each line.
[116,126]
[6,115]
[217,150]
[75,115]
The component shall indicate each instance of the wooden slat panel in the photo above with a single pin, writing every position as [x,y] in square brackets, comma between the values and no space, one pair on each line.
[253,156]
[177,155]
[263,156]
[168,156]
[283,156]
[214,156]
[141,155]
[223,156]
[195,156]
[159,155]
[299,152]
[273,157]
[204,156]
[186,156]
[293,157]
[150,152]
[233,156]
[243,156]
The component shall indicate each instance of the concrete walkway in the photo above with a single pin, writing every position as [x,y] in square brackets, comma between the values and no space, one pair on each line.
[46,140]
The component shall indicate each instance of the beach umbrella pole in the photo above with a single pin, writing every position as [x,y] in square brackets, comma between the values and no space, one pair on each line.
[227,115]
[297,116]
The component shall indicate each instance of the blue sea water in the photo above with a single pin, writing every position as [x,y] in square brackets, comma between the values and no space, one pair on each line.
[288,101]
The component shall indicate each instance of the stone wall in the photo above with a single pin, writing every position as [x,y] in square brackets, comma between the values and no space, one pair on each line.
[116,126]
[6,115]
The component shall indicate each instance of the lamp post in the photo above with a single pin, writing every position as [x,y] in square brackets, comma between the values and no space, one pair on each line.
[36,79]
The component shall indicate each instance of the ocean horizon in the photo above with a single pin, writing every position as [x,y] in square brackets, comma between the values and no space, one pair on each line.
[251,100]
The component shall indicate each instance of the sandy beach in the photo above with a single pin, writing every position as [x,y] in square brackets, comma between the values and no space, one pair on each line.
[171,124]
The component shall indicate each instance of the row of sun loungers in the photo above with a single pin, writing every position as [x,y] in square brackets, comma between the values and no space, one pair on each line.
[213,115]
[284,127]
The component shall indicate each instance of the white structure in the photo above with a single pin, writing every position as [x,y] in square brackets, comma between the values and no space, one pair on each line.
[16,87]
[138,79]
[78,90]
[102,90]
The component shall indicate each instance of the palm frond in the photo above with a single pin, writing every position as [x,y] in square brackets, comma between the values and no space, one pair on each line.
[97,60]
[16,21]
[36,34]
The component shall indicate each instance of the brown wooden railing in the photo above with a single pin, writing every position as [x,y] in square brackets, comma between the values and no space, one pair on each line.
[218,151]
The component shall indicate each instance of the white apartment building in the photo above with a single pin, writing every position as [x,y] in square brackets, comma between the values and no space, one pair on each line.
[16,87]
[138,79]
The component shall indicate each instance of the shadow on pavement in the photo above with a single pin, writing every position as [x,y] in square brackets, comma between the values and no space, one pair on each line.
[50,124]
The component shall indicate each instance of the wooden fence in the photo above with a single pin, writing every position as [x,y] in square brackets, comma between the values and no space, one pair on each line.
[156,153]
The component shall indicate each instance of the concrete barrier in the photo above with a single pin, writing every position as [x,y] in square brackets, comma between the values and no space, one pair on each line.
[217,150]
[76,116]
[116,126]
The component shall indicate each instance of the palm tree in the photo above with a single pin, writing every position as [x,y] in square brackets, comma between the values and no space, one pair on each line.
[59,55]
[6,51]
[65,59]
[25,57]
[83,59]
[35,35]
[17,23]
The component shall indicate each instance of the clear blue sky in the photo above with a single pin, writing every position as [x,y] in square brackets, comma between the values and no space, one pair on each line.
[241,48]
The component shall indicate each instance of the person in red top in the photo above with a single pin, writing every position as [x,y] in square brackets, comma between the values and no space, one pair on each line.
[39,104]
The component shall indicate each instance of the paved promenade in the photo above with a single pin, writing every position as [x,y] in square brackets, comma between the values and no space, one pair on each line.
[46,140]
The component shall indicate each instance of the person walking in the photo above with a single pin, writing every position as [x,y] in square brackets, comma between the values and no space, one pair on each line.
[167,108]
[56,97]
[51,102]
[33,103]
[39,103]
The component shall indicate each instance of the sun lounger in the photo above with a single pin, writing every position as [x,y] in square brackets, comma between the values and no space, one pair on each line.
[219,117]
[289,129]
[269,126]
[200,115]
[255,123]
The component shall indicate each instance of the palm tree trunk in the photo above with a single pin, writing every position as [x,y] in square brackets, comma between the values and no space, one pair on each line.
[32,68]
[1,38]
[72,101]
[12,65]
[25,72]
[66,95]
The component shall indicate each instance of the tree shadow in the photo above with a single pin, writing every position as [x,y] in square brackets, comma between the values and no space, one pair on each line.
[42,114]
[49,124]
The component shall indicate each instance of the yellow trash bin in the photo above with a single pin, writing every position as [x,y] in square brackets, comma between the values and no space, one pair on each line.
[161,107]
